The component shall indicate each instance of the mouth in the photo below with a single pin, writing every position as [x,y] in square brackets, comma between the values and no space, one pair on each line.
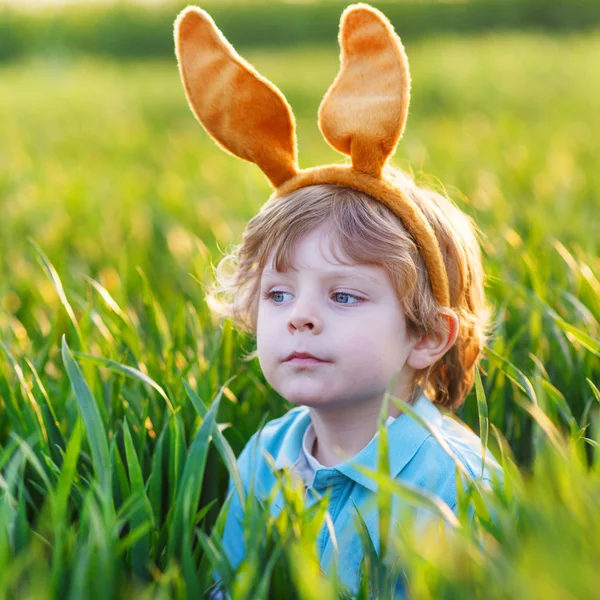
[303,358]
[305,362]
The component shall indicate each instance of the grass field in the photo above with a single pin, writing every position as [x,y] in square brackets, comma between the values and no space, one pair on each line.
[114,204]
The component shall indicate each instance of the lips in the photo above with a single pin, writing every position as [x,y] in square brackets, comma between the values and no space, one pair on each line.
[303,355]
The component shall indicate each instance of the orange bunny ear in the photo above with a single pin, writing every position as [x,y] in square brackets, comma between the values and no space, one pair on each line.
[364,111]
[244,112]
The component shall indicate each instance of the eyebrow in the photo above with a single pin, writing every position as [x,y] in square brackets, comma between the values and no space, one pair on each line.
[328,275]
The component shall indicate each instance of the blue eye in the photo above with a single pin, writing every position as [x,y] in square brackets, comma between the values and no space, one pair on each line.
[269,295]
[349,296]
[273,293]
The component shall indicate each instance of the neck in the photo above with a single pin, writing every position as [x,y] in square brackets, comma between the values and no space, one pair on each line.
[342,432]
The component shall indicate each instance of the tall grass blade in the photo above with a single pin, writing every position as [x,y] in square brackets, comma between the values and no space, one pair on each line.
[308,578]
[22,534]
[59,499]
[415,496]
[483,417]
[545,424]
[156,483]
[133,538]
[561,404]
[96,432]
[514,374]
[8,500]
[192,478]
[31,457]
[128,371]
[220,441]
[384,500]
[157,322]
[141,550]
[587,341]
[18,420]
[40,425]
[58,286]
[55,436]
[594,388]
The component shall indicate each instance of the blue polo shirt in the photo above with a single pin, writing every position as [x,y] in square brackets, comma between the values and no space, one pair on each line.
[416,458]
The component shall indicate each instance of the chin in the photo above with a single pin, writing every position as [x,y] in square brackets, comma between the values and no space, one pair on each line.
[307,397]
[308,402]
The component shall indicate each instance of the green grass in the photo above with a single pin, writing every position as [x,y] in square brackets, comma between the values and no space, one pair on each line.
[113,374]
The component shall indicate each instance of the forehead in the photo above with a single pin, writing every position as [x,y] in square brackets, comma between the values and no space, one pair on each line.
[350,272]
[318,252]
[315,247]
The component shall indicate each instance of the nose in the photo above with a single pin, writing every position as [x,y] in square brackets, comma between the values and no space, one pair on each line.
[304,317]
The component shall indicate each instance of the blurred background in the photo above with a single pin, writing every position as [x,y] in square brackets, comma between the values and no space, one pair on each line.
[105,169]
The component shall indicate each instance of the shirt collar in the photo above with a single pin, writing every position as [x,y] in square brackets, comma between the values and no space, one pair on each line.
[405,436]
[308,441]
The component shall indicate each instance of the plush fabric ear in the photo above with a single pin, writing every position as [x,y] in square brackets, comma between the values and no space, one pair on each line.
[364,111]
[243,111]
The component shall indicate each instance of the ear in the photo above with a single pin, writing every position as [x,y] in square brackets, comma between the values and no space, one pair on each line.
[364,111]
[430,348]
[243,111]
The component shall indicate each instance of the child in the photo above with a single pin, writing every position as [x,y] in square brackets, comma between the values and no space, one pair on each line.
[351,277]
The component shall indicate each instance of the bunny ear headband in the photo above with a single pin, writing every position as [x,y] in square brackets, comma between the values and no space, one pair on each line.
[362,115]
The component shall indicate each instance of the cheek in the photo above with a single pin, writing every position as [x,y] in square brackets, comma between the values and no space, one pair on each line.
[361,352]
[382,347]
[267,342]
[266,360]
[390,328]
[262,320]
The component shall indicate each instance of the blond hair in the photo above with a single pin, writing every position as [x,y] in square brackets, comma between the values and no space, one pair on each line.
[371,234]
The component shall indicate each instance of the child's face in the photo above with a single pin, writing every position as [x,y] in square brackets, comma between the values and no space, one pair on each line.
[355,323]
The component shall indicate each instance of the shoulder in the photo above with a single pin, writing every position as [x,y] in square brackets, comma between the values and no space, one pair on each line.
[451,446]
[468,448]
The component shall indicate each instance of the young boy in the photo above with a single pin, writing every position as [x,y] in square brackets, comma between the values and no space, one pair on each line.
[352,278]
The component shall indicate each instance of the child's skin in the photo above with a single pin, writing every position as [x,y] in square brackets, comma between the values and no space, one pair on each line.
[357,325]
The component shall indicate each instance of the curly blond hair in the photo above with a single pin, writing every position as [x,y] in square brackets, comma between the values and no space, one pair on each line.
[371,234]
